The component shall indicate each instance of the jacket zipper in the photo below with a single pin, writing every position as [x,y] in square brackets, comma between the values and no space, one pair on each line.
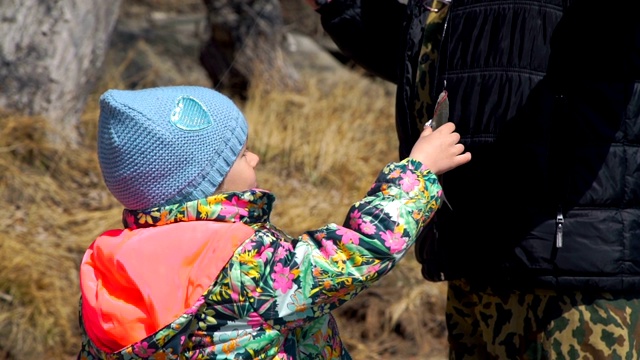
[559,227]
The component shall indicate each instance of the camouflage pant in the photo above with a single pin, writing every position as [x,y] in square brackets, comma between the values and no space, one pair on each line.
[483,324]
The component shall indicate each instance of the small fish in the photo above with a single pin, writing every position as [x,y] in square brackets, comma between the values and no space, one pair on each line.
[441,116]
[441,112]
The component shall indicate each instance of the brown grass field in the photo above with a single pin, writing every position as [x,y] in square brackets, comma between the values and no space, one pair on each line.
[320,150]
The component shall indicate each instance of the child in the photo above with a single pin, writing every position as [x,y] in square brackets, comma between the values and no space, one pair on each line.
[199,272]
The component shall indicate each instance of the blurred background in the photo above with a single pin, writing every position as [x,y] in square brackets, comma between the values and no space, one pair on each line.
[322,127]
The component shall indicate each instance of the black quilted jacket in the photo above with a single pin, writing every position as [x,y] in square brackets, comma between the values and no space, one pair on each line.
[546,96]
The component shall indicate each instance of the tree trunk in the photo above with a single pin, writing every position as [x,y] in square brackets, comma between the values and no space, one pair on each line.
[50,54]
[246,44]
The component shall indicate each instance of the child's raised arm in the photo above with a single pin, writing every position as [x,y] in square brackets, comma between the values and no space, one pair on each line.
[329,266]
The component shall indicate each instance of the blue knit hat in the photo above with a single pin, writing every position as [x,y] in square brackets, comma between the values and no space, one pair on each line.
[167,145]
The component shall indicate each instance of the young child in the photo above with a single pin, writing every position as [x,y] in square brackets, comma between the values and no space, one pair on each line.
[199,272]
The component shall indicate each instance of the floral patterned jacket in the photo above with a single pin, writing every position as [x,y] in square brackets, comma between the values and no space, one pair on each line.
[273,299]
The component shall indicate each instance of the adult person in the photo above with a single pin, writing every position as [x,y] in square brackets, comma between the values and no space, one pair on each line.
[541,243]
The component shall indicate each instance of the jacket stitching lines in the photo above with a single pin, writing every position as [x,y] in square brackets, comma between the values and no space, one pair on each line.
[497,70]
[499,4]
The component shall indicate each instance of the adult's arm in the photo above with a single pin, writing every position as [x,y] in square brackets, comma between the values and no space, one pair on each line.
[369,32]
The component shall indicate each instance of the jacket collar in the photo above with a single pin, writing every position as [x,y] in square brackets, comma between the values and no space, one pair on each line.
[250,206]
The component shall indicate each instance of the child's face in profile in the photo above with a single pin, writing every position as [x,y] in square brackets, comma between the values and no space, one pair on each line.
[242,175]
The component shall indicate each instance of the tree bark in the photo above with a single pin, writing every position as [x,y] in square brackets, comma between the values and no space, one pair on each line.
[246,44]
[50,54]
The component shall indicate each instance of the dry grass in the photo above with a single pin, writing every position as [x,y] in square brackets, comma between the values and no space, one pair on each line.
[320,150]
[322,146]
[54,204]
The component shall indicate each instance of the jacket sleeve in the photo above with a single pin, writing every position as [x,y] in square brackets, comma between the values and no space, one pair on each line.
[326,267]
[369,32]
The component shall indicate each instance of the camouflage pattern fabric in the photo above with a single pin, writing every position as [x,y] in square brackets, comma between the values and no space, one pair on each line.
[542,324]
[431,40]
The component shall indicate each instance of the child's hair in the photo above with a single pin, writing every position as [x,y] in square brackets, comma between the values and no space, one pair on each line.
[167,145]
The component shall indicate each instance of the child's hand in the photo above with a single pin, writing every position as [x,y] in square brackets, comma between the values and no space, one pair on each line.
[439,149]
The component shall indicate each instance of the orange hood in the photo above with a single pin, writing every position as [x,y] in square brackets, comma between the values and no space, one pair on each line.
[135,282]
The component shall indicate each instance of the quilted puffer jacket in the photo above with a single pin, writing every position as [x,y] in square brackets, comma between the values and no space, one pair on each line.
[546,96]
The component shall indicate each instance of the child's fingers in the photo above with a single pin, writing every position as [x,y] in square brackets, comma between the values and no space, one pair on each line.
[458,148]
[463,158]
[454,162]
[448,127]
